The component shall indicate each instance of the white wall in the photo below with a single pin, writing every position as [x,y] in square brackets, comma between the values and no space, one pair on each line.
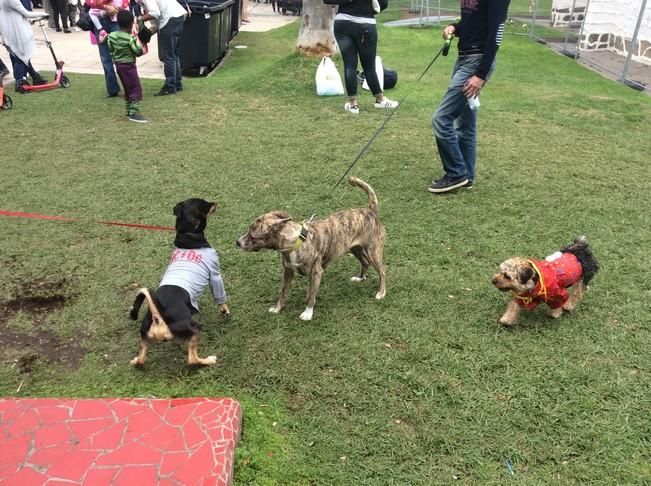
[610,24]
[561,11]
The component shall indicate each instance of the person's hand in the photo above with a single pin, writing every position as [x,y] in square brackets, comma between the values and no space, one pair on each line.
[473,86]
[448,32]
[110,10]
[223,308]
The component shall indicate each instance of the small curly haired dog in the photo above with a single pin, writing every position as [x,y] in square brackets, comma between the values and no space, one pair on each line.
[548,280]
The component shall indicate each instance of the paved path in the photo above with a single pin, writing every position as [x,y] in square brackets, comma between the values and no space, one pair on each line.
[118,441]
[80,56]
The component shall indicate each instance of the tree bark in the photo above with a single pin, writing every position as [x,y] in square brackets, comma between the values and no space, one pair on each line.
[316,37]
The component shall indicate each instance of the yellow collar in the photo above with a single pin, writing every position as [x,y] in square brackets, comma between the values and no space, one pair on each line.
[301,238]
[528,297]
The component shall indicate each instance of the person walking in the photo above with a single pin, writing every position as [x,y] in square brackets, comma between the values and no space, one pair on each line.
[17,35]
[356,35]
[125,48]
[167,17]
[480,33]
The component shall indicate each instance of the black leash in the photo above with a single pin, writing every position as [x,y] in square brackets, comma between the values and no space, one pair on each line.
[444,50]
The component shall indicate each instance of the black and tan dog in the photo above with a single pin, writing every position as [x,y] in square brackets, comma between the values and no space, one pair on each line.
[194,264]
[309,247]
[535,281]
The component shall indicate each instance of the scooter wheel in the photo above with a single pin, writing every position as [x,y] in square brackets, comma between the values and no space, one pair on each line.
[7,102]
[65,82]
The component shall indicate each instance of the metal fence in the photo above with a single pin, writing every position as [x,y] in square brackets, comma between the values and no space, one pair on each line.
[611,36]
[607,35]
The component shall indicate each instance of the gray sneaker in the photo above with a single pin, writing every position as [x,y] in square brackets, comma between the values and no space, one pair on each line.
[447,184]
[137,117]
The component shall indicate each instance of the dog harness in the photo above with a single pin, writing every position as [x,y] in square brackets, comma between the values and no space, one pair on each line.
[555,274]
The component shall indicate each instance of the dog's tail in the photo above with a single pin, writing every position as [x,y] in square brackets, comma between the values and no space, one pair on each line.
[372,198]
[143,294]
[581,250]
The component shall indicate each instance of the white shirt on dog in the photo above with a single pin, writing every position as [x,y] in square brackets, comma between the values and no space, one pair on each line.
[192,270]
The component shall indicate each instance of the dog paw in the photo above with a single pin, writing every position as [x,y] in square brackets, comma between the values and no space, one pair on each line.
[275,309]
[380,295]
[555,313]
[135,362]
[307,315]
[210,360]
[506,322]
[357,278]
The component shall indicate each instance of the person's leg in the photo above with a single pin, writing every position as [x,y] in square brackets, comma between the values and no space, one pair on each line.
[167,45]
[344,33]
[466,130]
[20,71]
[56,14]
[37,79]
[72,14]
[63,9]
[120,70]
[47,6]
[128,73]
[166,55]
[366,45]
[177,53]
[96,20]
[450,108]
[112,86]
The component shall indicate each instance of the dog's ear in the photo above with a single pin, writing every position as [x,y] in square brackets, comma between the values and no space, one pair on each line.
[525,274]
[177,209]
[284,215]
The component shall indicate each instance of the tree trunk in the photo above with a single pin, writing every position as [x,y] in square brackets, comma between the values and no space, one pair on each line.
[316,37]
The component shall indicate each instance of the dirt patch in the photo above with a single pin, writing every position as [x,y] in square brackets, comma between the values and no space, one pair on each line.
[37,300]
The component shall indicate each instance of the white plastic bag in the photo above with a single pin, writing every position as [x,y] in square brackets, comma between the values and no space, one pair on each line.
[328,81]
[379,70]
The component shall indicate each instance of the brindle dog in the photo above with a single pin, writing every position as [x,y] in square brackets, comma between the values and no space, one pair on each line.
[310,247]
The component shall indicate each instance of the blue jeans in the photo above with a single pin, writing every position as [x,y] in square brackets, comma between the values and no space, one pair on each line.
[455,124]
[169,50]
[112,86]
[21,70]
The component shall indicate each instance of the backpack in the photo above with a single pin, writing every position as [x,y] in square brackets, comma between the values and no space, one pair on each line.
[84,22]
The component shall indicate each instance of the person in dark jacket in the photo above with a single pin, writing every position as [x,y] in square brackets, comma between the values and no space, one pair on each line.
[356,34]
[480,32]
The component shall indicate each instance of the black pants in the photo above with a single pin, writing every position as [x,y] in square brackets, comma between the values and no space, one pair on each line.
[356,40]
[60,9]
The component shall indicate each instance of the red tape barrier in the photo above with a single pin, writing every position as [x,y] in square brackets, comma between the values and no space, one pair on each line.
[20,214]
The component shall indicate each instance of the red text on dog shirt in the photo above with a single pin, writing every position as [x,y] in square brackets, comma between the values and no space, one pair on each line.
[187,255]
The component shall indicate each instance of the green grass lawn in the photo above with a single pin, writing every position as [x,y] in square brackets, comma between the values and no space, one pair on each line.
[420,388]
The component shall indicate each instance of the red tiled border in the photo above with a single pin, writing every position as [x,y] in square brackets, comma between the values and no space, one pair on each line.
[185,441]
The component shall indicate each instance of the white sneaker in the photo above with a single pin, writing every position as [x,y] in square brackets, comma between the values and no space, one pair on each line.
[351,108]
[386,103]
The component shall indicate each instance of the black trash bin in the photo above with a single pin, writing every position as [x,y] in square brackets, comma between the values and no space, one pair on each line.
[206,35]
[236,16]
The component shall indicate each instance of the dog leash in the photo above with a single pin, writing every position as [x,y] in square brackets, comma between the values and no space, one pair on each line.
[20,214]
[444,50]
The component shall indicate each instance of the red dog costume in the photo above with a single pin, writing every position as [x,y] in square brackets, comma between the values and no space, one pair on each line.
[555,274]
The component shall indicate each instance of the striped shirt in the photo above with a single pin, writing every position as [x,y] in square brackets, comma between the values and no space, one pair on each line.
[481,29]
